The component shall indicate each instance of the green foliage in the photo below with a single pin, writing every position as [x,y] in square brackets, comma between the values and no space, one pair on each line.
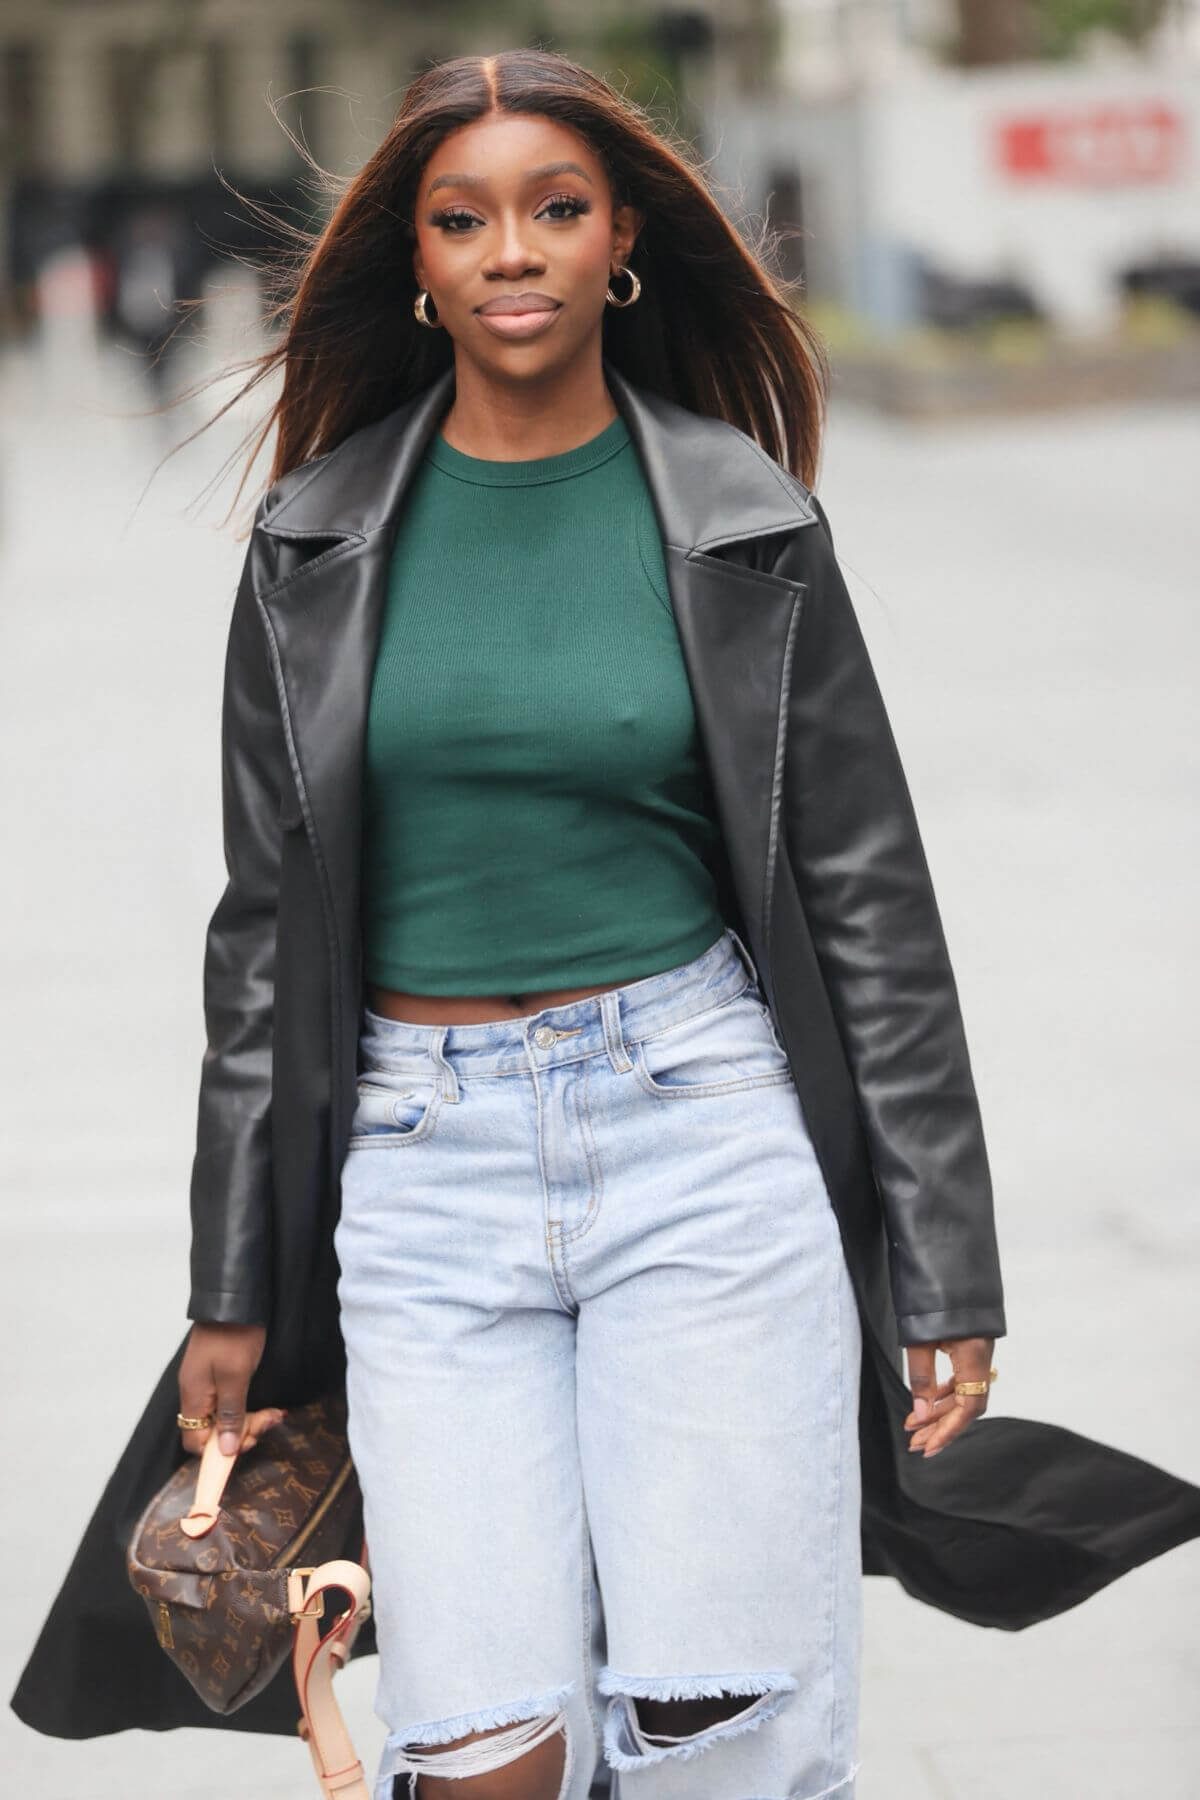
[992,32]
[1061,25]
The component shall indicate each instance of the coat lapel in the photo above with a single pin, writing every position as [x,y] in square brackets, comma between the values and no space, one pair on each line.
[715,490]
[717,497]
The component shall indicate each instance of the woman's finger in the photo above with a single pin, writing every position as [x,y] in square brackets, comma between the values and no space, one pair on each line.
[921,1435]
[971,1361]
[259,1422]
[197,1400]
[930,1405]
[943,1430]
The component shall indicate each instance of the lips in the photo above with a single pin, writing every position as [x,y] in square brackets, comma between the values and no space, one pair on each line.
[518,318]
[513,305]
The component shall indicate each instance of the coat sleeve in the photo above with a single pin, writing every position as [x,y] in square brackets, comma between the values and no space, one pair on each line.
[860,867]
[231,1173]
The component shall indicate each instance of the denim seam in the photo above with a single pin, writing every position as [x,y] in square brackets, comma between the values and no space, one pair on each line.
[396,1140]
[595,1172]
[700,1012]
[706,1090]
[769,1016]
[553,1227]
[563,1274]
[588,1669]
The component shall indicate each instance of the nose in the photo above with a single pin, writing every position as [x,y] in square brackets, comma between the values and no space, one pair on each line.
[512,256]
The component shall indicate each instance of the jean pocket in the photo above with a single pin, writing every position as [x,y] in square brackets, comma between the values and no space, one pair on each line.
[394,1107]
[723,1050]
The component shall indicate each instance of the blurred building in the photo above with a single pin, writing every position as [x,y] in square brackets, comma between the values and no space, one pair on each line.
[906,185]
[911,188]
[115,116]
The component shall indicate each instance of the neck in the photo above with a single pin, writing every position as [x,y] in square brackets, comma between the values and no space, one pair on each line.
[511,421]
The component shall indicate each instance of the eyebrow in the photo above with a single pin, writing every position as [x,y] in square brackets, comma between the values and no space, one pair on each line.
[539,174]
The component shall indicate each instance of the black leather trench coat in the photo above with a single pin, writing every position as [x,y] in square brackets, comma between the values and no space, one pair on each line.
[827,883]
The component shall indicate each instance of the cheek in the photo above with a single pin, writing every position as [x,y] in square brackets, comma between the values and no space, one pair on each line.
[596,238]
[585,259]
[450,261]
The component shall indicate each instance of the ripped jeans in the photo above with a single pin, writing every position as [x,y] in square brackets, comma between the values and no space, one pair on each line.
[602,1371]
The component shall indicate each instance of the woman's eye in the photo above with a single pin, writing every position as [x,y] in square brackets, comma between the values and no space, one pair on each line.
[571,201]
[450,215]
[456,220]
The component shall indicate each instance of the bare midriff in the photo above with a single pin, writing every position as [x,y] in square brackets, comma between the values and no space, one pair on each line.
[472,1009]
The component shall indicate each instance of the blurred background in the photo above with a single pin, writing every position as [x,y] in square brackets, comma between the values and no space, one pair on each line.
[990,209]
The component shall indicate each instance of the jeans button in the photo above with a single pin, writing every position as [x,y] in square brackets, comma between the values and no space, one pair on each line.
[544,1036]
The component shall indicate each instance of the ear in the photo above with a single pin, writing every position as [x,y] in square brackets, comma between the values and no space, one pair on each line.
[627,223]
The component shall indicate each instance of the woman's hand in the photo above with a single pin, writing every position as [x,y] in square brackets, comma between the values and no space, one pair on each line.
[938,1413]
[214,1377]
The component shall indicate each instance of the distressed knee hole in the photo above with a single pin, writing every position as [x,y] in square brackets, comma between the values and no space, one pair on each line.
[737,1703]
[668,1721]
[478,1744]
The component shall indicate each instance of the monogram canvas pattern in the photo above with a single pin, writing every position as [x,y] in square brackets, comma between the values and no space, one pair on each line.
[218,1603]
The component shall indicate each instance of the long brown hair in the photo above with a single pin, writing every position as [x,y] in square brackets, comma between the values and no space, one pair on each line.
[712,328]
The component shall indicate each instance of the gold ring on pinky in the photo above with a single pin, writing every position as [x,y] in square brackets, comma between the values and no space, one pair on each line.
[977,1387]
[186,1424]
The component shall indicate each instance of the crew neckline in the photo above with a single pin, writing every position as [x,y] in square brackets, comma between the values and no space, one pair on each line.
[488,471]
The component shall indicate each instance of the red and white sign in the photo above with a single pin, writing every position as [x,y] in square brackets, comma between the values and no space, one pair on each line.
[1100,145]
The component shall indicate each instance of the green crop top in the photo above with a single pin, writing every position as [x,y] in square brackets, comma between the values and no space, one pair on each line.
[537,810]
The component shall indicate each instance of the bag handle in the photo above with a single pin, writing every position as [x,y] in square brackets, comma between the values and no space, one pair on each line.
[215,1466]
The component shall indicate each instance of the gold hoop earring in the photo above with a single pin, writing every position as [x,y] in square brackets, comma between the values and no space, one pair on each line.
[635,288]
[419,308]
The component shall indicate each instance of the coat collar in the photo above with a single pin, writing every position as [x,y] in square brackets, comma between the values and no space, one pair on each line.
[711,483]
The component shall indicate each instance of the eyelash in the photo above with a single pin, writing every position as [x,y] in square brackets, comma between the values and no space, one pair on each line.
[447,213]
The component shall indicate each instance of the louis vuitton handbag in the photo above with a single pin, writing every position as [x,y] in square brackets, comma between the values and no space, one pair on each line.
[229,1558]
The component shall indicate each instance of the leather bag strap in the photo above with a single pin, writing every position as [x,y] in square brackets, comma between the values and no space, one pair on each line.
[215,1467]
[315,1660]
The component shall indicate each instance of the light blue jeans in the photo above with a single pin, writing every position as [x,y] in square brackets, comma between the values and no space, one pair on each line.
[602,1371]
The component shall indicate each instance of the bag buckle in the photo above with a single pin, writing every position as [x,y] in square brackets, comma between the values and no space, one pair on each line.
[297,1600]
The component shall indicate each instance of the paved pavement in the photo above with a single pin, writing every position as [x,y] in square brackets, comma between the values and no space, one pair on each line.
[1028,592]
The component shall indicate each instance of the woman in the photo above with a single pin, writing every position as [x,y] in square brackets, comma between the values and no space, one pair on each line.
[585,1069]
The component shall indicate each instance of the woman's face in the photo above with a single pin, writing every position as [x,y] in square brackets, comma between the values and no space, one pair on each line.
[516,238]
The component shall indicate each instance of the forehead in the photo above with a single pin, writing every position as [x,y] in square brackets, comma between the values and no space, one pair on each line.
[509,150]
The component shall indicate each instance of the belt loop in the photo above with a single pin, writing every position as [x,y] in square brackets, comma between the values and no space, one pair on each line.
[747,959]
[614,1042]
[447,1079]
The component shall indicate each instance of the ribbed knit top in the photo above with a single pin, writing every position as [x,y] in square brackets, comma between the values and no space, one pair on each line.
[537,812]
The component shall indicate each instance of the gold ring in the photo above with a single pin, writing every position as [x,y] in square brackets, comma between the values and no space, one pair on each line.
[977,1387]
[187,1424]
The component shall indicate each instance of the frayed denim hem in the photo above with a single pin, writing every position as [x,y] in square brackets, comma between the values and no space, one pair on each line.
[626,1746]
[693,1687]
[433,1732]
